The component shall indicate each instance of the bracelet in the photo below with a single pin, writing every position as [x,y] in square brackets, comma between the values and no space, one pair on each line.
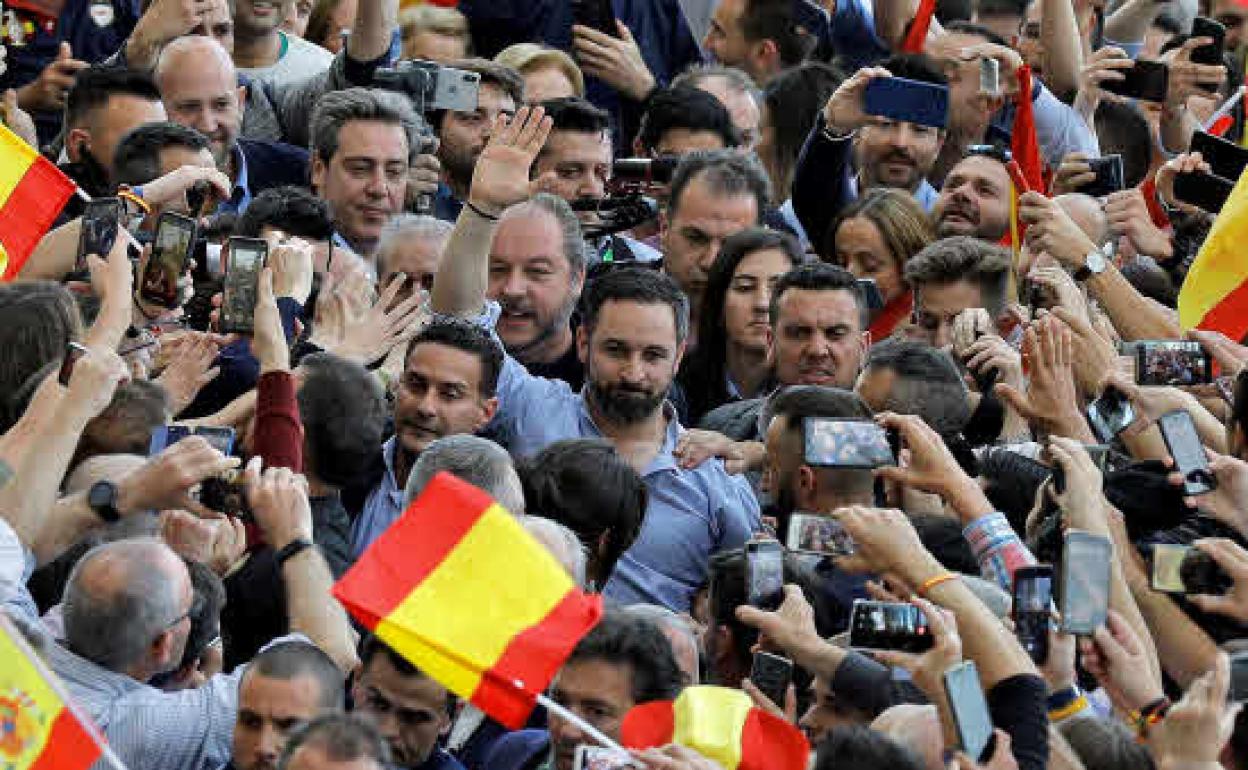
[471,207]
[292,549]
[931,583]
[1149,716]
[134,195]
[1069,710]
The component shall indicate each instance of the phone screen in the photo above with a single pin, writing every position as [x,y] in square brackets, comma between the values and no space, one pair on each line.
[166,436]
[772,674]
[846,443]
[1033,597]
[970,709]
[764,574]
[220,439]
[599,758]
[910,101]
[1172,362]
[1110,414]
[888,626]
[238,304]
[1225,158]
[595,14]
[1167,567]
[1109,176]
[170,251]
[1183,442]
[1086,560]
[98,229]
[818,534]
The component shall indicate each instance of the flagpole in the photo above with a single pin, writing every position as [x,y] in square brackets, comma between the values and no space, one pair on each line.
[1225,109]
[584,726]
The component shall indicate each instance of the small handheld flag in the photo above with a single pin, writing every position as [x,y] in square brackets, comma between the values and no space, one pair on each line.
[32,193]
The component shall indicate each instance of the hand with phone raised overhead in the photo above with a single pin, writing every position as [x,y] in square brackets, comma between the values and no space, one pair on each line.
[112,280]
[268,340]
[1128,217]
[1118,659]
[890,545]
[1107,64]
[1187,78]
[1082,500]
[1051,231]
[1228,501]
[1186,163]
[1233,560]
[843,112]
[1229,354]
[928,668]
[165,481]
[1199,725]
[931,467]
[93,382]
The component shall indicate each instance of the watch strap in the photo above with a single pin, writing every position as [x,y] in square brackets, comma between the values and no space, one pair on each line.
[292,549]
[105,509]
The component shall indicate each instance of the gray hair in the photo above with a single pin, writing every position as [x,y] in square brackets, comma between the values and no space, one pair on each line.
[114,626]
[562,543]
[404,226]
[341,737]
[479,461]
[727,174]
[668,620]
[737,79]
[565,217]
[337,108]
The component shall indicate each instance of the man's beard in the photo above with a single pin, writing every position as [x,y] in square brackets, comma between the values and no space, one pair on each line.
[89,173]
[458,165]
[544,332]
[623,406]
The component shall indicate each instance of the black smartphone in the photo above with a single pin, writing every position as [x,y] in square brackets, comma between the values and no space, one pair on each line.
[595,14]
[969,708]
[1209,54]
[1182,569]
[772,674]
[97,230]
[1225,158]
[1109,178]
[1204,191]
[166,436]
[1172,362]
[1183,444]
[221,439]
[1086,562]
[1110,414]
[764,574]
[171,250]
[846,443]
[910,101]
[1239,677]
[246,257]
[1033,599]
[1146,80]
[73,352]
[870,294]
[889,626]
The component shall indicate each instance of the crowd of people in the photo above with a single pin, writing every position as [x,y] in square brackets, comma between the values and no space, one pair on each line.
[617,273]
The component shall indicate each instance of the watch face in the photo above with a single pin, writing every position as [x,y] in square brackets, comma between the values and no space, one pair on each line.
[1096,262]
[102,495]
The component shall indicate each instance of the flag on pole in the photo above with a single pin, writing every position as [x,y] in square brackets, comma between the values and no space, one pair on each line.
[1024,146]
[461,590]
[917,34]
[721,724]
[39,729]
[32,193]
[1215,293]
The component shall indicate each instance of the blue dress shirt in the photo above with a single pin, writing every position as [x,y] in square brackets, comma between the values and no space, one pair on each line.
[382,506]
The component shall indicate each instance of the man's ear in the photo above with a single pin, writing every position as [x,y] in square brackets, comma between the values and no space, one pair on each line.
[162,649]
[489,407]
[582,344]
[766,55]
[318,172]
[75,141]
[807,481]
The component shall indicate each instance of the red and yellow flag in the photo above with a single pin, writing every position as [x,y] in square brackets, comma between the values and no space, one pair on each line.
[721,724]
[1215,292]
[32,193]
[460,589]
[39,730]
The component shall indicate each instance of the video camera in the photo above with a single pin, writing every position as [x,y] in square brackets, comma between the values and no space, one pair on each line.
[631,195]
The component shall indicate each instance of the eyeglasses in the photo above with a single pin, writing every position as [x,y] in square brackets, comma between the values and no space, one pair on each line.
[999,154]
[195,610]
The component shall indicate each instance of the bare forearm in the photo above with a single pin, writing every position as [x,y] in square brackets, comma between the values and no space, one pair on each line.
[1177,127]
[313,611]
[1133,316]
[370,34]
[459,288]
[1062,49]
[1130,23]
[55,254]
[25,503]
[1184,650]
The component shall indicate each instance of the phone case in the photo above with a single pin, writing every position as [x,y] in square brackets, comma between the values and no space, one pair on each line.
[1183,443]
[1226,159]
[1205,191]
[1147,80]
[910,101]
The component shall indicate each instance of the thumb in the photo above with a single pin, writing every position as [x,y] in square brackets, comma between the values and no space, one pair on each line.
[625,33]
[64,52]
[1015,400]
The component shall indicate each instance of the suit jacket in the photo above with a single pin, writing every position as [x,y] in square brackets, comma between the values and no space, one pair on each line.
[273,164]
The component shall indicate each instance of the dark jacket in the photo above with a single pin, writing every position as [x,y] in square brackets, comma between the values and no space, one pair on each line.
[521,750]
[273,164]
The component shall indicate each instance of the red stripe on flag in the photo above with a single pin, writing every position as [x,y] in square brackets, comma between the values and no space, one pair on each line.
[916,37]
[770,743]
[1230,316]
[30,210]
[647,725]
[534,656]
[1221,125]
[412,548]
[69,747]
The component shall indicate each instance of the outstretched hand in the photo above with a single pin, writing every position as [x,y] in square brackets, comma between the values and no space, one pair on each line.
[501,176]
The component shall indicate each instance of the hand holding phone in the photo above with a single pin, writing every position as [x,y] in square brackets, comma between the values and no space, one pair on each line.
[1086,562]
[772,674]
[1110,414]
[1032,608]
[909,101]
[764,574]
[1146,80]
[238,304]
[73,352]
[98,229]
[168,259]
[889,626]
[1207,192]
[845,444]
[1185,448]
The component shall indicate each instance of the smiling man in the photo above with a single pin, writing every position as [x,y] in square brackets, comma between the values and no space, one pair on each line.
[975,200]
[265,52]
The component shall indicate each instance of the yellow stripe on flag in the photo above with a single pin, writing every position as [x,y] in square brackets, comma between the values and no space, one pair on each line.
[436,605]
[18,158]
[1220,267]
[712,720]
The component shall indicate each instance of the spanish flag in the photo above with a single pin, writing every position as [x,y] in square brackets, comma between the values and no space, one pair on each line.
[39,730]
[1215,293]
[719,723]
[461,590]
[32,193]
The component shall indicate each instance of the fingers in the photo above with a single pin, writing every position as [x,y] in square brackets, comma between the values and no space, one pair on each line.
[1014,399]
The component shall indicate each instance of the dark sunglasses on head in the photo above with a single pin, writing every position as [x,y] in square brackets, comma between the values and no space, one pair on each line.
[999,154]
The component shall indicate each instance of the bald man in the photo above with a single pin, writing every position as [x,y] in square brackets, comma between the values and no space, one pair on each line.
[200,90]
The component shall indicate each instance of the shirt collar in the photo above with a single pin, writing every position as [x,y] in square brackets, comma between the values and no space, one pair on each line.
[663,460]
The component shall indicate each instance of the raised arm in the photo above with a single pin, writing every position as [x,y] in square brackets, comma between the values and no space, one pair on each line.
[370,33]
[1061,46]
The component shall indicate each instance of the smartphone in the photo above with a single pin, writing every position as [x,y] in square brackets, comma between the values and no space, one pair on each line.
[171,250]
[166,436]
[1109,178]
[772,674]
[73,352]
[221,439]
[846,443]
[910,101]
[1146,80]
[595,14]
[870,294]
[1239,677]
[238,303]
[989,76]
[1204,191]
[888,626]
[969,708]
[97,230]
[1225,158]
[811,533]
[1086,561]
[226,494]
[1172,362]
[1032,606]
[599,758]
[1183,443]
[764,574]
[1208,54]
[1110,414]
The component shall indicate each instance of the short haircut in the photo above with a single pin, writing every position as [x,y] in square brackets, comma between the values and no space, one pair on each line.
[292,659]
[342,738]
[1103,744]
[338,108]
[500,76]
[571,237]
[778,20]
[293,210]
[432,18]
[727,592]
[928,383]
[635,284]
[862,748]
[125,426]
[727,173]
[977,30]
[95,85]
[469,338]
[625,640]
[406,226]
[817,276]
[689,108]
[916,66]
[563,543]
[137,158]
[902,223]
[736,78]
[571,113]
[1122,129]
[344,411]
[585,485]
[530,57]
[963,258]
[799,402]
[473,459]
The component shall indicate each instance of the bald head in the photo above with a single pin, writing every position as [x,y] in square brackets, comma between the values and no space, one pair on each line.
[1086,211]
[917,728]
[200,89]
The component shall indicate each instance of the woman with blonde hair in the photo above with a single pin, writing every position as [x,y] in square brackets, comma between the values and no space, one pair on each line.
[548,73]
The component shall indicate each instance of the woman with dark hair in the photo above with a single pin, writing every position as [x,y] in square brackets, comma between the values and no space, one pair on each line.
[42,318]
[873,238]
[791,104]
[734,327]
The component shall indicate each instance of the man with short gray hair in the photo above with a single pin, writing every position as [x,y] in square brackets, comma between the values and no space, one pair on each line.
[336,742]
[363,144]
[479,461]
[411,246]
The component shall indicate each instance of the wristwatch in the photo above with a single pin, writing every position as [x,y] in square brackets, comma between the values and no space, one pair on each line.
[1093,264]
[102,497]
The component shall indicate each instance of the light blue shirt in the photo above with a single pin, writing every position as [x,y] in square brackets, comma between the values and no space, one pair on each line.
[382,507]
